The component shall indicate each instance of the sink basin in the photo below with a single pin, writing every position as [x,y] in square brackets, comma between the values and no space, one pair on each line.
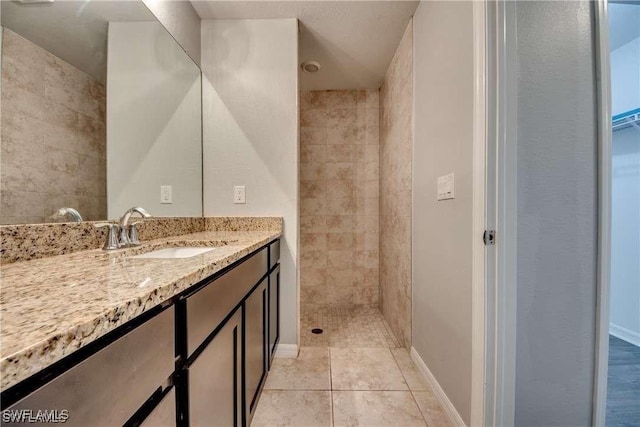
[183,252]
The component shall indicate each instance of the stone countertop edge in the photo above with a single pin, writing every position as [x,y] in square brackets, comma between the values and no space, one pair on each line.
[27,347]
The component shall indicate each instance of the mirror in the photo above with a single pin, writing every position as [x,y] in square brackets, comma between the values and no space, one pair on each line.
[100,111]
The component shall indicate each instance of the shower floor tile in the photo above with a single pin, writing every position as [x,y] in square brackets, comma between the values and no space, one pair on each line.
[359,326]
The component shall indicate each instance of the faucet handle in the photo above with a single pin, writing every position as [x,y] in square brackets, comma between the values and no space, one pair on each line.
[133,233]
[112,235]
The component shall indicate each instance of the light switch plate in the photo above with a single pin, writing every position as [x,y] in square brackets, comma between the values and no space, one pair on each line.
[446,187]
[239,194]
[166,196]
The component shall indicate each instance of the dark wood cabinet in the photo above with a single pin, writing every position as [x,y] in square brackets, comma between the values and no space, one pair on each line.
[255,343]
[113,383]
[214,379]
[164,414]
[201,360]
[274,312]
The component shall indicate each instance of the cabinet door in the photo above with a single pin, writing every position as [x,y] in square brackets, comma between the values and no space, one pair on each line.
[214,379]
[164,414]
[255,346]
[274,311]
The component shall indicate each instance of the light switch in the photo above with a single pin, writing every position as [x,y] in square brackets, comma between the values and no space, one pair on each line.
[446,186]
[166,196]
[239,194]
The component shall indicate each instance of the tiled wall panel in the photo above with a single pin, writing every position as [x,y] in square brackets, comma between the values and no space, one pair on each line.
[396,142]
[53,136]
[339,198]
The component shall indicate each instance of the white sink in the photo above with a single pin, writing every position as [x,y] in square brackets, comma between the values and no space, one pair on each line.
[185,252]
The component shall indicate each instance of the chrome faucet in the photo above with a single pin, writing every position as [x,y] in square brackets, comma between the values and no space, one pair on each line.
[123,235]
[129,232]
[112,235]
[70,212]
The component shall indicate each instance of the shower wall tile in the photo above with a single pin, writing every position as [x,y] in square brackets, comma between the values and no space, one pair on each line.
[339,193]
[53,144]
[396,139]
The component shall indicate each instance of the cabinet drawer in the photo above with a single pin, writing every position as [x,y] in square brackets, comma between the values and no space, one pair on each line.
[108,387]
[274,253]
[207,308]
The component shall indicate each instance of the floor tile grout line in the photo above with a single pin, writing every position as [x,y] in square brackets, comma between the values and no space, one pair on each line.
[373,389]
[297,389]
[404,377]
[413,396]
[333,418]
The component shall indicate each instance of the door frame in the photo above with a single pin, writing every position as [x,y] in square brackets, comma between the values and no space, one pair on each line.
[501,203]
[479,307]
[603,90]
[502,198]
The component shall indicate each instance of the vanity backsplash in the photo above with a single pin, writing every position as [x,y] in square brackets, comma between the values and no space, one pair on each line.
[31,241]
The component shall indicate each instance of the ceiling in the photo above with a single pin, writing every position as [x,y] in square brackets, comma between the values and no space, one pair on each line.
[354,41]
[624,23]
[73,30]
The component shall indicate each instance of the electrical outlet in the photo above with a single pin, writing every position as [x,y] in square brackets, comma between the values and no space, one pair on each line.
[239,194]
[166,196]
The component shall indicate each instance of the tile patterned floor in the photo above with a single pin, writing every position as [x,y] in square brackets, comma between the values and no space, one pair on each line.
[354,374]
[346,327]
[371,387]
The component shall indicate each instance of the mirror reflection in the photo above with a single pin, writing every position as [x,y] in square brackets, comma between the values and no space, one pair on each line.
[100,111]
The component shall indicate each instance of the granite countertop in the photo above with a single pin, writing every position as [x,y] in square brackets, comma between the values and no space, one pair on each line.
[51,307]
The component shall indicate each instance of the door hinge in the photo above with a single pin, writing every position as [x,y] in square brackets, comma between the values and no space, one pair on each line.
[489,237]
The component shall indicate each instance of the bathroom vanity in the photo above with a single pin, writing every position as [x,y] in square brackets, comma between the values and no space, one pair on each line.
[180,330]
[157,342]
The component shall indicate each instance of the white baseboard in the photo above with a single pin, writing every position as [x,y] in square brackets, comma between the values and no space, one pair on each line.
[450,410]
[625,334]
[286,351]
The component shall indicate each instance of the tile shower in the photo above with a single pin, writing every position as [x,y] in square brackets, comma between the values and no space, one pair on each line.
[339,172]
[396,145]
[339,213]
[355,211]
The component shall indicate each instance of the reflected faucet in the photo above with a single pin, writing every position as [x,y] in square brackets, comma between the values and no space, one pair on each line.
[129,232]
[70,212]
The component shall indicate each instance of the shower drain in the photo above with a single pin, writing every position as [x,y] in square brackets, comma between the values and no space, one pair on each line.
[316,331]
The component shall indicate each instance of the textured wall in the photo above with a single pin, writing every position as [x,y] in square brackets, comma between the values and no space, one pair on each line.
[557,214]
[250,128]
[442,230]
[396,141]
[53,136]
[339,198]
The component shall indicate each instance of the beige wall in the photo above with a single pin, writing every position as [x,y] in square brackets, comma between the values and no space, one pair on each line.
[396,139]
[53,136]
[442,233]
[339,198]
[154,130]
[250,130]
